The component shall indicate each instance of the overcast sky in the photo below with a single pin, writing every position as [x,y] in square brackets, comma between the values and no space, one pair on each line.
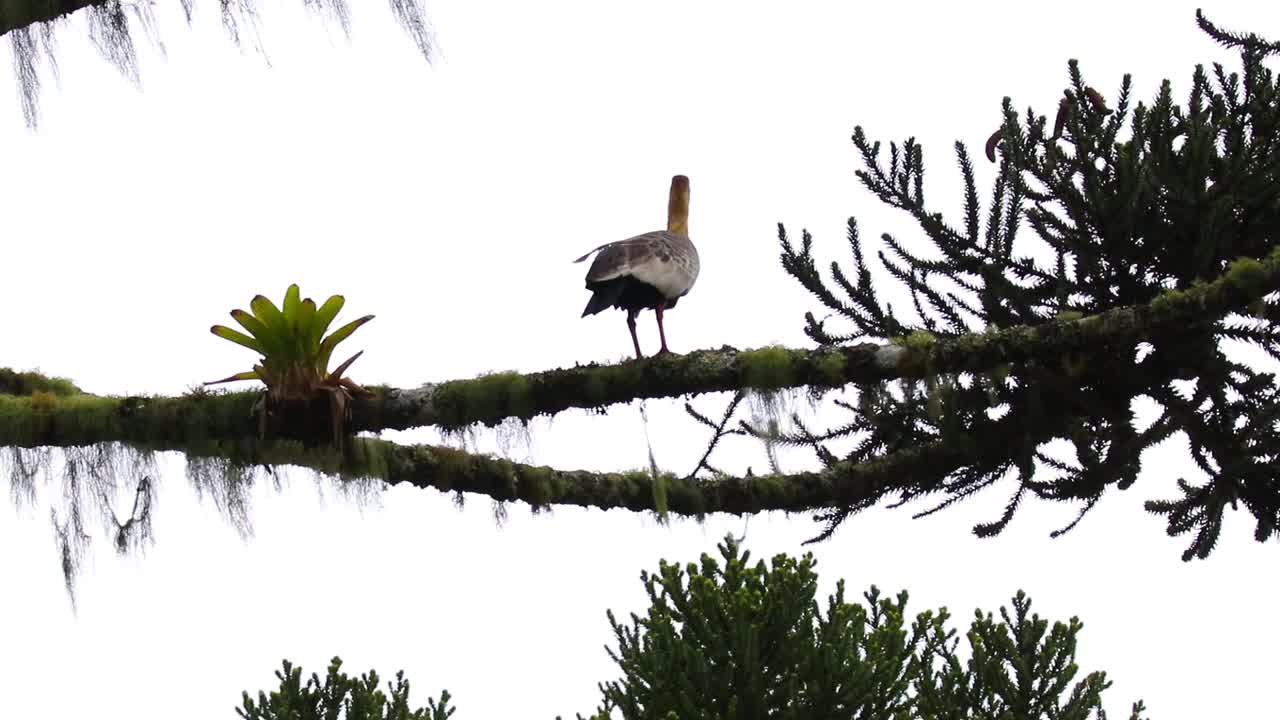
[449,200]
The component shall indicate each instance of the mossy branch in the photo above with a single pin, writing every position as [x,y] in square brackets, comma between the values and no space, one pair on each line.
[54,418]
[452,470]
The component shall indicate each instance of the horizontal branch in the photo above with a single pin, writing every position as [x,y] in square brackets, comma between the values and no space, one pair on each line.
[452,470]
[52,419]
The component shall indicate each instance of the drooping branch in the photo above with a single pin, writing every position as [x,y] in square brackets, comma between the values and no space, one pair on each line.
[226,468]
[113,25]
[452,470]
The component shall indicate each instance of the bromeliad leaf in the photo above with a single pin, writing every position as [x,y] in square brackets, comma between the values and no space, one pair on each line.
[306,319]
[302,333]
[239,338]
[269,314]
[271,342]
[291,303]
[329,343]
[325,316]
[337,372]
[249,375]
[280,327]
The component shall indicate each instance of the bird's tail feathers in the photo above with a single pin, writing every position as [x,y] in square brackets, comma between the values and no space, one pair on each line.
[589,253]
[603,297]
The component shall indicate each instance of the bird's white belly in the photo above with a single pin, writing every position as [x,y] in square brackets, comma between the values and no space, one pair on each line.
[671,278]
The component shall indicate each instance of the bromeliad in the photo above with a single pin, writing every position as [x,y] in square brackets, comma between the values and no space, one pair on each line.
[295,354]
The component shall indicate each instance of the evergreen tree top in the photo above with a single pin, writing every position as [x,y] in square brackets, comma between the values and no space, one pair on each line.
[1126,205]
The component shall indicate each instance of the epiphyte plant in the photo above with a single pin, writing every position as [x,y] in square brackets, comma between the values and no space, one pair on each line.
[295,354]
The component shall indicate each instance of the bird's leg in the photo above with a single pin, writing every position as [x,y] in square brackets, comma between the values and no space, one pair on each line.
[631,325]
[661,333]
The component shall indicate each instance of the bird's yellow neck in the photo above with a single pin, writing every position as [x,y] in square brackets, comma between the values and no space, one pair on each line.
[678,206]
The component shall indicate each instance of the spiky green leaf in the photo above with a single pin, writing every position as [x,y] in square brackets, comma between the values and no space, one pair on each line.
[292,299]
[342,333]
[274,320]
[247,375]
[306,319]
[338,371]
[239,338]
[270,340]
[324,316]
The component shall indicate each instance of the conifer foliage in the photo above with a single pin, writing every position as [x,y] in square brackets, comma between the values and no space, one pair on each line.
[1124,206]
[356,698]
[728,639]
[734,640]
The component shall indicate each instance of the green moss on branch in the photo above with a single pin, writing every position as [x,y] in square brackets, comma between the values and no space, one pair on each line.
[77,419]
[769,368]
[451,470]
[13,382]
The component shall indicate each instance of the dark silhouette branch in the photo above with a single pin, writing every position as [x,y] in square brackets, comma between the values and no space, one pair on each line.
[113,25]
[16,14]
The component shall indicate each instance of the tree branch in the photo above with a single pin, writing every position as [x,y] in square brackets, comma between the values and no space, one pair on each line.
[452,470]
[52,419]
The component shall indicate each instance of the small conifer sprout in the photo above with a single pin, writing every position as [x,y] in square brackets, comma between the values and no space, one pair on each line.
[295,354]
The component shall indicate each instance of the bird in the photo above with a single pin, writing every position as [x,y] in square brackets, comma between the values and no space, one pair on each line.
[652,270]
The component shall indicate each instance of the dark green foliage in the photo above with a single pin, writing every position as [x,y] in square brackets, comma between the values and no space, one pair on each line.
[29,382]
[1126,206]
[742,641]
[357,698]
[737,641]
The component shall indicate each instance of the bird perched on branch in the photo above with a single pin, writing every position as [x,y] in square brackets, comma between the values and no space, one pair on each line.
[653,270]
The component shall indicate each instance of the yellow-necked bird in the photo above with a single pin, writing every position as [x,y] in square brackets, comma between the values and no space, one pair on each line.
[653,270]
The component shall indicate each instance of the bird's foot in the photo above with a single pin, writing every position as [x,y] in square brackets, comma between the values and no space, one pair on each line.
[663,351]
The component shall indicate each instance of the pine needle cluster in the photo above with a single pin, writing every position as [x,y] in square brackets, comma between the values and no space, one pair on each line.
[1117,206]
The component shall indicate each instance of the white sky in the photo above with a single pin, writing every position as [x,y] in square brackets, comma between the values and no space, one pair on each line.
[449,199]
